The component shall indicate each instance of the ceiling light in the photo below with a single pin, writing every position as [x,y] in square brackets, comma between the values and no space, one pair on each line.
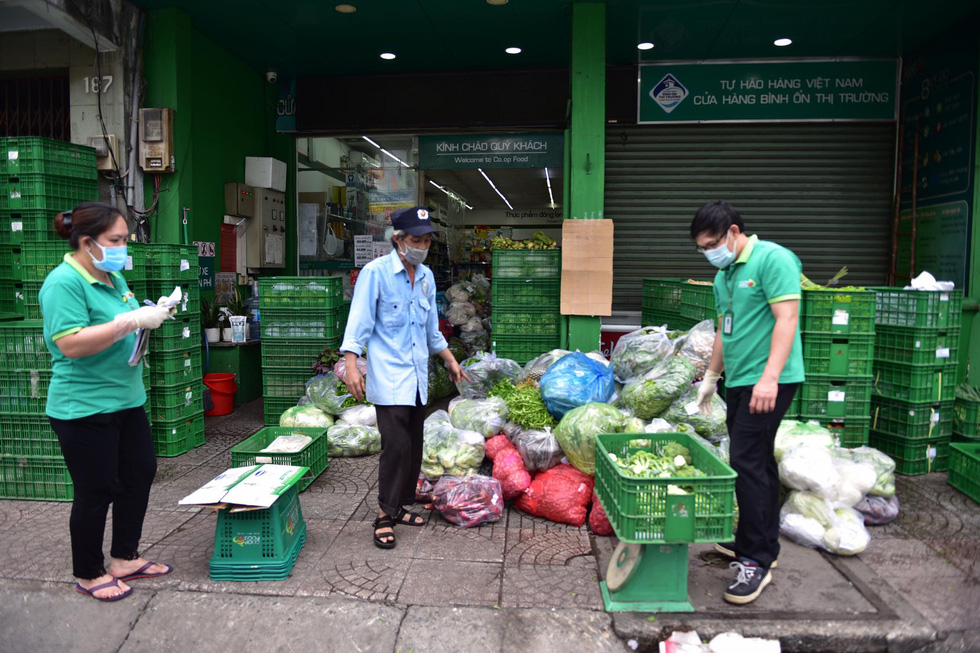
[646,45]
[496,189]
[497,3]
[389,154]
[371,142]
[468,206]
[387,56]
[345,9]
[438,186]
[547,177]
[782,43]
[513,50]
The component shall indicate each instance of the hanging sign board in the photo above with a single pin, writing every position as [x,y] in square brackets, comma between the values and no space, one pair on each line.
[766,91]
[472,151]
[205,262]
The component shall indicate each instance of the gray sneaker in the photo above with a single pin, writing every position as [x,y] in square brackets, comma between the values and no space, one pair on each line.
[727,549]
[750,580]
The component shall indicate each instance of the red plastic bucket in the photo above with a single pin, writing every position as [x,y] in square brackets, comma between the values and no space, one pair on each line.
[223,389]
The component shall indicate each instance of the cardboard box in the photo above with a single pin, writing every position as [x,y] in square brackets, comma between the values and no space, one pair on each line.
[265,172]
[587,267]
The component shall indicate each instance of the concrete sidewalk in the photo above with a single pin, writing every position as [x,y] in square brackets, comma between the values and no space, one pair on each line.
[521,584]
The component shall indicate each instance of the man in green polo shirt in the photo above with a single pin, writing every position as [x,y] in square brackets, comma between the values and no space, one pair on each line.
[757,345]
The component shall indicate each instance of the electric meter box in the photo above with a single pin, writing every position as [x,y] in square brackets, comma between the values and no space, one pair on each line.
[240,200]
[265,237]
[265,172]
[157,140]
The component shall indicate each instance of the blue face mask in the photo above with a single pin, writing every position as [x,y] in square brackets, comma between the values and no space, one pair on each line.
[720,257]
[113,258]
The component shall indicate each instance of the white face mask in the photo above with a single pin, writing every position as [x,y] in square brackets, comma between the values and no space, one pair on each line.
[721,257]
[414,255]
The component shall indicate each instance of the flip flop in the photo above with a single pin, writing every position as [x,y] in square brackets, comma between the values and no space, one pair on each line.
[105,599]
[141,572]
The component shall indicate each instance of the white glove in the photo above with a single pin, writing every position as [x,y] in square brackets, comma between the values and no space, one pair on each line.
[145,317]
[707,391]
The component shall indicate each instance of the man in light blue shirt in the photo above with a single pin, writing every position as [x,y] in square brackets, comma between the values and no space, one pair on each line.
[393,317]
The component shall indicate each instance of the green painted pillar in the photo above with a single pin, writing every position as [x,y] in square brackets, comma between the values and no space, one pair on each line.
[167,66]
[970,339]
[587,141]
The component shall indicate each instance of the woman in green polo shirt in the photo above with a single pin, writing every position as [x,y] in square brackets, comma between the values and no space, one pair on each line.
[95,401]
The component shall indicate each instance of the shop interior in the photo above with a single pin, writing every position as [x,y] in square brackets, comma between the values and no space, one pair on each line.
[349,186]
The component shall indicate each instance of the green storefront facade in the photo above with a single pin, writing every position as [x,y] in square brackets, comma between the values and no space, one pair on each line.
[853,80]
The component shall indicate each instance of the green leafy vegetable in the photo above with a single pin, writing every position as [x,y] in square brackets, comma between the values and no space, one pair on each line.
[667,460]
[577,430]
[655,391]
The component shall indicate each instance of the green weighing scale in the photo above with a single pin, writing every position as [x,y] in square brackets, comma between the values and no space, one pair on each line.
[656,519]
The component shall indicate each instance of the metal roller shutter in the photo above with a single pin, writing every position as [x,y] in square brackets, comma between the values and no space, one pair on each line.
[824,190]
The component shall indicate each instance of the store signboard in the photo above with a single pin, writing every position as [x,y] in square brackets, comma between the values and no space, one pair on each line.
[205,262]
[766,91]
[472,151]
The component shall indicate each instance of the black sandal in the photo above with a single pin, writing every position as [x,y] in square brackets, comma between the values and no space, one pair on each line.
[384,522]
[400,518]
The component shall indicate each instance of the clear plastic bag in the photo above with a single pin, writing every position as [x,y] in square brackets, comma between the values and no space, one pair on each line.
[536,367]
[305,416]
[471,325]
[340,368]
[810,469]
[697,344]
[348,440]
[539,449]
[449,451]
[485,371]
[485,416]
[360,415]
[878,511]
[460,313]
[475,341]
[638,352]
[457,294]
[804,514]
[575,380]
[577,430]
[685,410]
[469,500]
[792,434]
[322,391]
[651,394]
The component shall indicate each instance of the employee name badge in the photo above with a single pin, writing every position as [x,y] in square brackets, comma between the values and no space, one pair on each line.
[726,324]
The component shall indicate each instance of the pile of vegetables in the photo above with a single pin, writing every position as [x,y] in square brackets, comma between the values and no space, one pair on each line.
[325,362]
[485,416]
[667,460]
[577,430]
[449,451]
[347,440]
[524,403]
[305,416]
[651,394]
[537,241]
[440,384]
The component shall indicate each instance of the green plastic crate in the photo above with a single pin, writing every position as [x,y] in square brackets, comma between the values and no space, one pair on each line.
[172,437]
[178,334]
[916,346]
[966,417]
[531,322]
[638,507]
[964,469]
[11,299]
[26,294]
[698,302]
[274,407]
[35,154]
[22,346]
[24,391]
[659,318]
[526,264]
[911,420]
[838,313]
[835,398]
[24,434]
[32,261]
[919,308]
[176,402]
[850,432]
[170,255]
[173,368]
[837,355]
[300,324]
[522,348]
[917,384]
[285,383]
[258,544]
[530,293]
[313,455]
[190,302]
[39,191]
[913,457]
[19,226]
[663,294]
[301,292]
[298,355]
[40,478]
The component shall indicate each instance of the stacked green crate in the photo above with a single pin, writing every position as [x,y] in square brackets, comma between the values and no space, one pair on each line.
[40,177]
[915,376]
[697,304]
[661,302]
[300,317]
[526,293]
[176,403]
[838,331]
[966,420]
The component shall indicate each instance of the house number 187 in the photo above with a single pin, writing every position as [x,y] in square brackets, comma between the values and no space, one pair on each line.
[97,84]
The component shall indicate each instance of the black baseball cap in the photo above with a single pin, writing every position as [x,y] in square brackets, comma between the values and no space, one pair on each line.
[413,221]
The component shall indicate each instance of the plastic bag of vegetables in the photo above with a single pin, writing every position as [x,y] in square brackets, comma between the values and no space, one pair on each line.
[575,380]
[651,394]
[659,425]
[536,367]
[561,494]
[634,425]
[685,410]
[598,520]
[460,313]
[883,465]
[303,416]
[508,467]
[539,449]
[469,500]
[323,391]
[360,415]
[696,345]
[348,440]
[485,371]
[340,368]
[457,294]
[577,430]
[792,433]
[440,384]
[474,342]
[812,521]
[810,469]
[878,511]
[638,352]
[485,416]
[449,451]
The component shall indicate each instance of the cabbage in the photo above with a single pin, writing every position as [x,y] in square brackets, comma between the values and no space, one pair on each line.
[360,415]
[792,433]
[577,430]
[847,536]
[811,469]
[634,425]
[811,521]
[638,352]
[345,440]
[651,394]
[856,480]
[305,416]
[685,410]
[485,416]
[322,391]
[883,465]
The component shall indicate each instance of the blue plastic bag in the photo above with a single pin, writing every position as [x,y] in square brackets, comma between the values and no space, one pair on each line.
[574,381]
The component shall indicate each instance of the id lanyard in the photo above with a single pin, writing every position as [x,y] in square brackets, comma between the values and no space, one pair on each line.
[728,318]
